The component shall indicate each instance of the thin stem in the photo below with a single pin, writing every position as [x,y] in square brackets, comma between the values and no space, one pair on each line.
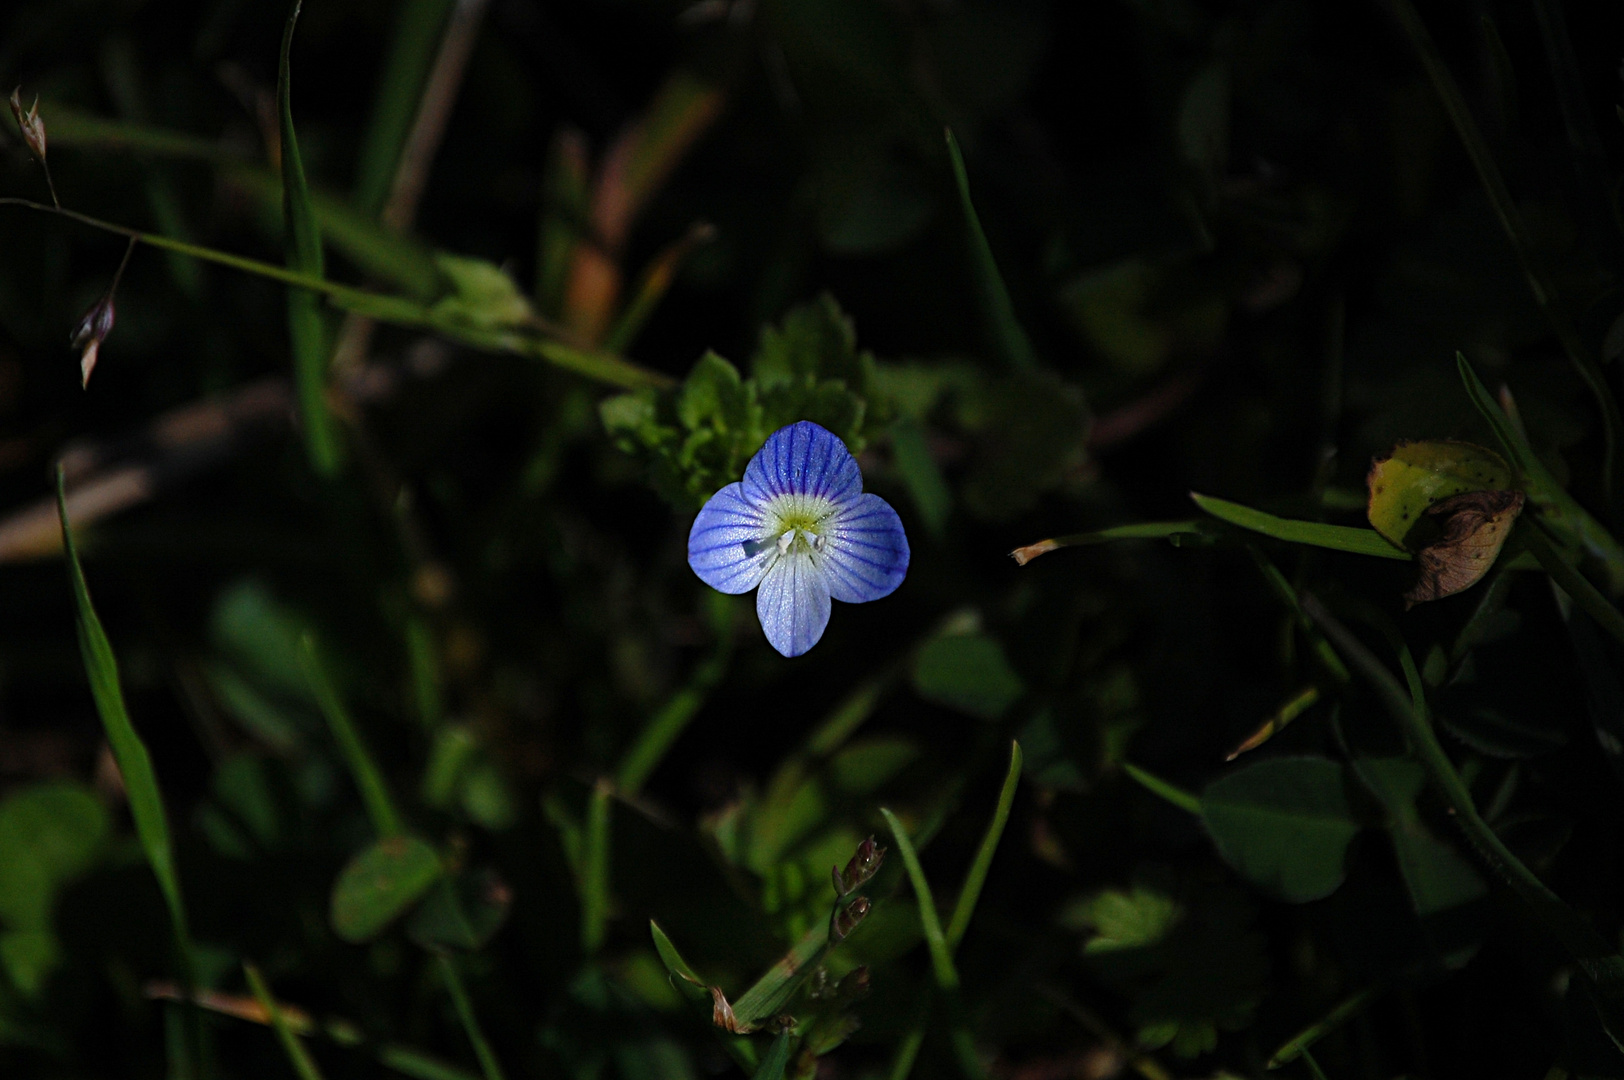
[470,1023]
[297,1054]
[368,778]
[399,311]
[595,870]
[1157,786]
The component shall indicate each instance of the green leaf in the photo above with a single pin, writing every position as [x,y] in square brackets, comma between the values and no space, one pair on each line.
[50,833]
[1284,824]
[921,475]
[482,296]
[1132,919]
[307,335]
[776,1058]
[129,750]
[461,912]
[1557,507]
[714,396]
[682,975]
[1336,537]
[413,44]
[1437,876]
[967,672]
[997,308]
[814,341]
[379,884]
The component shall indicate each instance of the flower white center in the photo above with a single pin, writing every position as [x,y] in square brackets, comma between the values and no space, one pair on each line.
[798,521]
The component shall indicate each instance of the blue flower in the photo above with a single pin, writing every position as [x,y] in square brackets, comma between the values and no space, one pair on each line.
[800,527]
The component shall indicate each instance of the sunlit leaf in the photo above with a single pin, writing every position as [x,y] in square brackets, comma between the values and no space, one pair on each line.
[1414,476]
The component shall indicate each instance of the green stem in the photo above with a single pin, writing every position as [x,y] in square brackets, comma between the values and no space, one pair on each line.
[470,1023]
[368,778]
[1157,786]
[399,311]
[595,870]
[297,1054]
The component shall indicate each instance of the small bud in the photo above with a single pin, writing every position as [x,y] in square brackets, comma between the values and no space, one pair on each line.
[33,128]
[91,331]
[853,985]
[863,866]
[847,919]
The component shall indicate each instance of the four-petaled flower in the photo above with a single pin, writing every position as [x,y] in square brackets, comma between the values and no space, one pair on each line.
[800,527]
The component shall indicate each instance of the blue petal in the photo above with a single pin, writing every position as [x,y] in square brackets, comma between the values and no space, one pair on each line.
[793,602]
[803,459]
[728,546]
[865,551]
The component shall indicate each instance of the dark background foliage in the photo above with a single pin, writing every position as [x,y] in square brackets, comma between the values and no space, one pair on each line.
[1244,242]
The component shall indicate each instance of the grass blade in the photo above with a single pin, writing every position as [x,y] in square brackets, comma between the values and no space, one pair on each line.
[977,877]
[997,307]
[669,721]
[768,995]
[595,870]
[1171,793]
[134,764]
[470,1023]
[1348,538]
[1560,508]
[1146,530]
[368,778]
[297,1054]
[1494,184]
[307,335]
[652,286]
[941,957]
[777,1057]
[1299,1044]
[1586,595]
[413,43]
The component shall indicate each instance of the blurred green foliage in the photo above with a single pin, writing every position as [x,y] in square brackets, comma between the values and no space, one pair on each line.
[408,716]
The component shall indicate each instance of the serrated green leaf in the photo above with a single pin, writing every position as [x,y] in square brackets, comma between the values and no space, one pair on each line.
[482,296]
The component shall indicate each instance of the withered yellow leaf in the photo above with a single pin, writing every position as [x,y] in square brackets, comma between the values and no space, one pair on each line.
[1419,475]
[1475,525]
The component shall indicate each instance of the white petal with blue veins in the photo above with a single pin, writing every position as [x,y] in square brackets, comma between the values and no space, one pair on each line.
[729,546]
[865,551]
[793,601]
[803,459]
